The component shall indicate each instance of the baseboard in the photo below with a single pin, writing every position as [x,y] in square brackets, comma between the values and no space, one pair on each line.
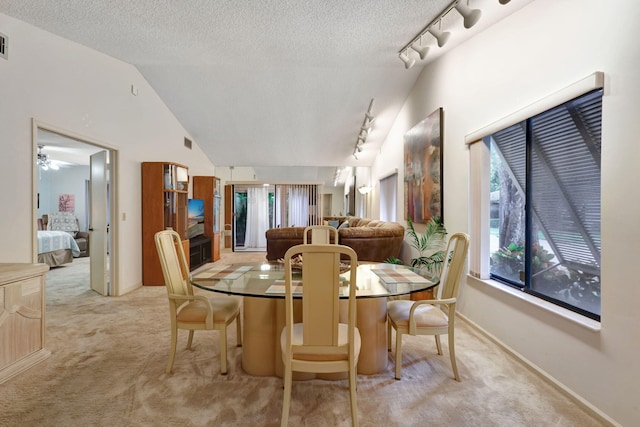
[129,289]
[579,400]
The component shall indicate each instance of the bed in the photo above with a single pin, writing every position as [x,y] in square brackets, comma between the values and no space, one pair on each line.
[56,247]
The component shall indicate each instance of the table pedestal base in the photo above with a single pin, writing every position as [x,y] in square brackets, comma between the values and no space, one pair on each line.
[264,319]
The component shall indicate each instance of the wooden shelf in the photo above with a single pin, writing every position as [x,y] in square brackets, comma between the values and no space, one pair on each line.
[200,251]
[207,188]
[165,193]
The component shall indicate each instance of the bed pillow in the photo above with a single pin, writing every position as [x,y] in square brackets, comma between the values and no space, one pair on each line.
[63,221]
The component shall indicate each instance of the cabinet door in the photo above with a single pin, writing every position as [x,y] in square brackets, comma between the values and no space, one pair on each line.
[175,212]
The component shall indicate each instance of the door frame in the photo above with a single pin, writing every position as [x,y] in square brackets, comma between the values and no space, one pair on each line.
[113,194]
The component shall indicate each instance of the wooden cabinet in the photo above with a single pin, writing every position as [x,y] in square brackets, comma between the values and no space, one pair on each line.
[200,251]
[22,313]
[208,189]
[165,194]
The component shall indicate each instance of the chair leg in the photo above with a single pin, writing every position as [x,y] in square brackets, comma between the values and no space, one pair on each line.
[438,344]
[352,396]
[223,350]
[239,330]
[388,334]
[398,354]
[190,340]
[286,400]
[452,355]
[172,350]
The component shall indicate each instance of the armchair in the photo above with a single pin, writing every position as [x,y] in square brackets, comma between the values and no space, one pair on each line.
[436,316]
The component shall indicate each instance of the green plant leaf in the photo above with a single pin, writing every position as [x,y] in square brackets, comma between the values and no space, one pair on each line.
[433,239]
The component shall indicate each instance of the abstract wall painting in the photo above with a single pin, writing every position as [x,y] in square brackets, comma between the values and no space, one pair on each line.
[423,156]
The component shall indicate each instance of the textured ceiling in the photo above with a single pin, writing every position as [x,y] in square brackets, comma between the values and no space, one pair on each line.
[265,83]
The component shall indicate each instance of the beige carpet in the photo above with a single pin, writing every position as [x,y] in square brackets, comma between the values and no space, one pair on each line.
[109,355]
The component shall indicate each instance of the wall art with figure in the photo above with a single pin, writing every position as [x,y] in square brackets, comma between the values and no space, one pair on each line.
[423,169]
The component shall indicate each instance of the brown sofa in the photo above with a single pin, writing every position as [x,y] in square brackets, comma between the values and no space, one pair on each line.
[373,240]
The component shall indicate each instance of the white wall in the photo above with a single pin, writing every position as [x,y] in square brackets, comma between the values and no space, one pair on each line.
[542,48]
[337,199]
[79,90]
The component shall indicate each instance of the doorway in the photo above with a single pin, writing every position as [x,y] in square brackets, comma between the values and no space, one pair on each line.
[252,216]
[79,171]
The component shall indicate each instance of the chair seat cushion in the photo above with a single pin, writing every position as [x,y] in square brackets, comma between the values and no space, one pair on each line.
[342,340]
[224,308]
[426,315]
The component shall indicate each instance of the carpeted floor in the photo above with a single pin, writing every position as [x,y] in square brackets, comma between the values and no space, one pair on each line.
[109,355]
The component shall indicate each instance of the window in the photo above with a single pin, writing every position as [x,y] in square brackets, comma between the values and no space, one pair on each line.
[544,204]
[388,197]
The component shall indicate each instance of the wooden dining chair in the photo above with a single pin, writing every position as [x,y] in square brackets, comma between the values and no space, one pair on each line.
[433,316]
[320,344]
[320,234]
[189,311]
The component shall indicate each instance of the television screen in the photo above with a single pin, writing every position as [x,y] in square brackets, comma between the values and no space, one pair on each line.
[195,218]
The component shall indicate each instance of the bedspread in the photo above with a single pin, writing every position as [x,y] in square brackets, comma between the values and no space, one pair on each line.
[49,241]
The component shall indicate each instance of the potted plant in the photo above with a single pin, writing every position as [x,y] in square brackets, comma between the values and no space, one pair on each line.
[430,246]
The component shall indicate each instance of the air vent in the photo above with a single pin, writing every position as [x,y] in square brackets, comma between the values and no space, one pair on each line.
[187,143]
[4,44]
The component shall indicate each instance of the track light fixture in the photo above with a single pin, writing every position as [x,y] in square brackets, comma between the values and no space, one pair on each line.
[364,130]
[440,36]
[422,50]
[369,119]
[408,62]
[503,1]
[470,18]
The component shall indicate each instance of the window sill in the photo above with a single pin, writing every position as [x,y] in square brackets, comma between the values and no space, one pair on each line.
[590,324]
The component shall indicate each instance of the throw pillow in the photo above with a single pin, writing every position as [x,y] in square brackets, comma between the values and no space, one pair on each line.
[334,224]
[343,225]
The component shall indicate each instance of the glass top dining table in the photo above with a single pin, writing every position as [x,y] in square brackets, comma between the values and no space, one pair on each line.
[262,286]
[266,279]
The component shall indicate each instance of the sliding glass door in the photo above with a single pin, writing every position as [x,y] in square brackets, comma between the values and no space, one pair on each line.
[253,216]
[258,207]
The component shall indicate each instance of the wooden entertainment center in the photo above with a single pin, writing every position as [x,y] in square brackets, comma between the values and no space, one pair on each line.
[208,189]
[165,192]
[165,196]
[200,251]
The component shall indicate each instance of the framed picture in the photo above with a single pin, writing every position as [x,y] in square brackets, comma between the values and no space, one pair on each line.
[66,203]
[423,157]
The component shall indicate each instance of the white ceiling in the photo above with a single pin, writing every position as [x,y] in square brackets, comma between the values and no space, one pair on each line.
[266,83]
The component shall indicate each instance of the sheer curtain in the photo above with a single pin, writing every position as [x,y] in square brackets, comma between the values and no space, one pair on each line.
[299,205]
[257,217]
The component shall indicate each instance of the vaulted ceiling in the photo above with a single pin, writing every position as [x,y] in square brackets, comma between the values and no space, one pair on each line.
[266,83]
